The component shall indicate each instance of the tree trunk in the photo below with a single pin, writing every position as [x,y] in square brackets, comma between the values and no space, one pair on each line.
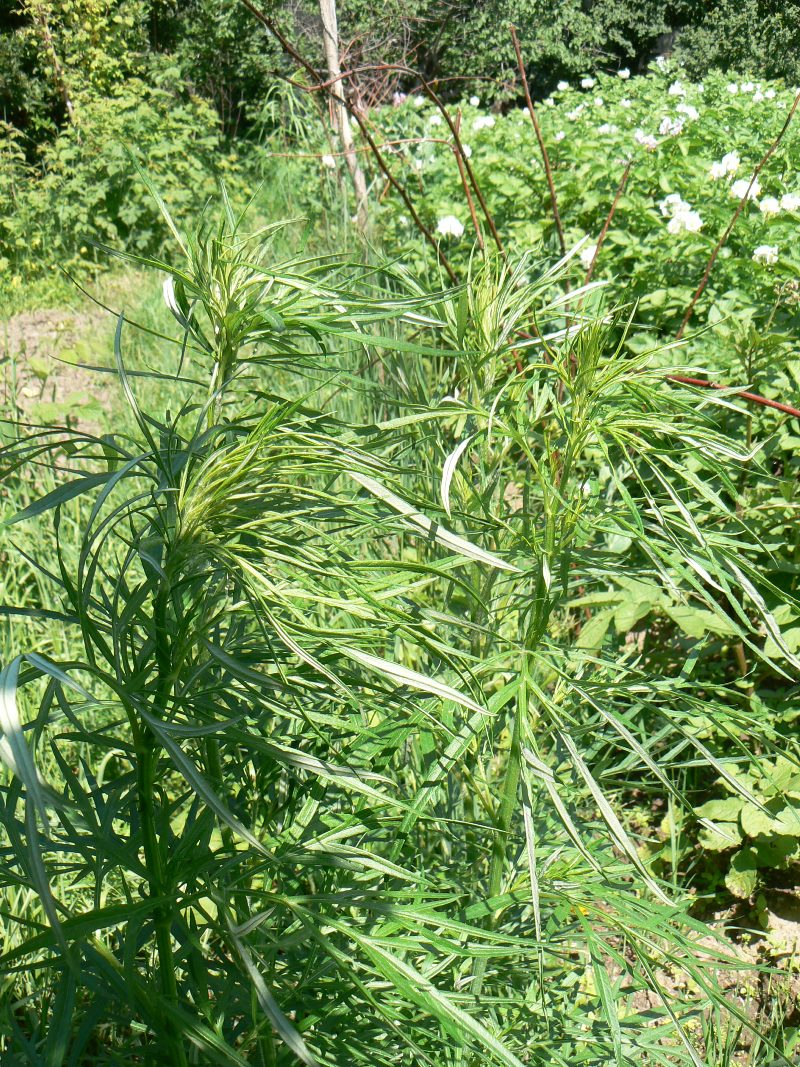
[341,121]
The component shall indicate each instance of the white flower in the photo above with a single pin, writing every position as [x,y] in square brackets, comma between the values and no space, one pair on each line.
[575,114]
[769,94]
[449,226]
[562,87]
[587,83]
[475,101]
[689,111]
[747,87]
[549,102]
[790,202]
[661,62]
[692,221]
[587,254]
[561,135]
[398,99]
[767,254]
[673,204]
[670,127]
[419,164]
[647,140]
[328,161]
[729,164]
[624,73]
[419,101]
[758,97]
[608,127]
[676,89]
[733,88]
[465,148]
[624,102]
[769,206]
[435,119]
[740,189]
[483,122]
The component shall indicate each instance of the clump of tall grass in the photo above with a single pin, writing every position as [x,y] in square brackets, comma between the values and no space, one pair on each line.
[330,769]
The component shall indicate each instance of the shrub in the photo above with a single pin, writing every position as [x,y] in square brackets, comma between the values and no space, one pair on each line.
[85,187]
[758,37]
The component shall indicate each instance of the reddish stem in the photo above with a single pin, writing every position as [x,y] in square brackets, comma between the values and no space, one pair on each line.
[609,217]
[542,146]
[739,208]
[458,150]
[754,398]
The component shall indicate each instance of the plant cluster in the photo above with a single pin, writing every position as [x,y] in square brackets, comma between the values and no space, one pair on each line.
[331,767]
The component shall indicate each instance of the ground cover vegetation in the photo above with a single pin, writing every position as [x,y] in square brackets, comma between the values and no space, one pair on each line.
[400,637]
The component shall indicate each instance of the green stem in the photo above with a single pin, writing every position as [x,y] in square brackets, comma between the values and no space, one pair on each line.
[214,768]
[153,850]
[508,801]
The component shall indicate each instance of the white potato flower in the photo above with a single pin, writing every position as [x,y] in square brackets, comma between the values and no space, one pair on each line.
[747,87]
[599,101]
[769,94]
[575,114]
[766,254]
[729,164]
[673,204]
[419,101]
[625,102]
[562,86]
[559,136]
[790,202]
[689,111]
[608,127]
[328,161]
[647,140]
[587,83]
[435,119]
[758,96]
[465,148]
[676,89]
[475,101]
[692,221]
[624,73]
[732,88]
[670,127]
[449,226]
[740,188]
[483,122]
[770,205]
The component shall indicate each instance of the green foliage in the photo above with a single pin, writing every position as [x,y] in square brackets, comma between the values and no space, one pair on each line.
[85,187]
[557,39]
[655,250]
[326,772]
[758,37]
[222,55]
